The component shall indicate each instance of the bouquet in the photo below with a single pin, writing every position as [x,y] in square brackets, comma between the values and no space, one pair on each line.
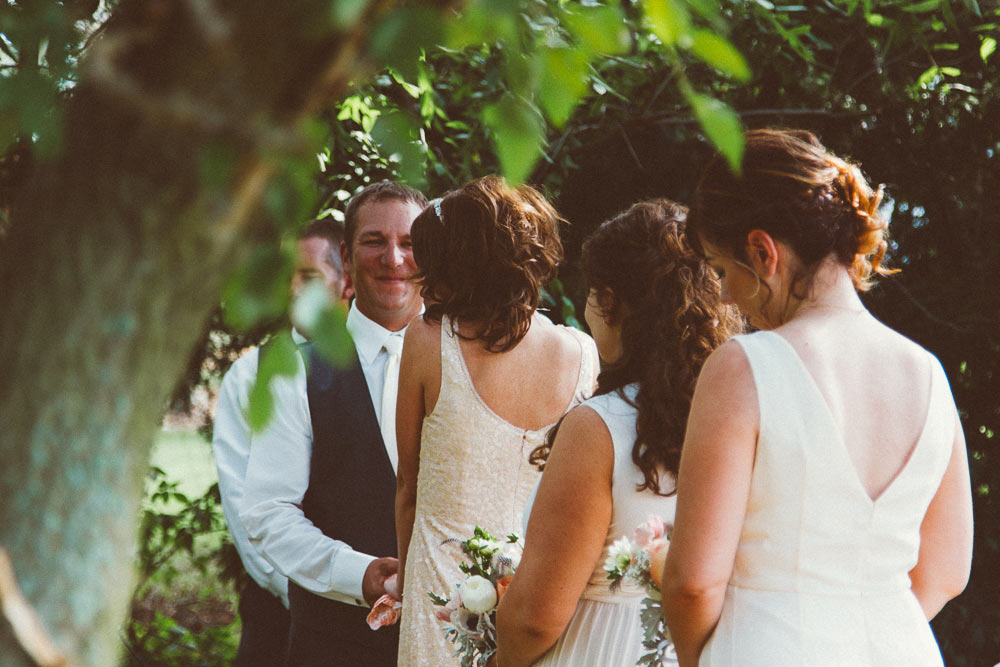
[470,614]
[641,560]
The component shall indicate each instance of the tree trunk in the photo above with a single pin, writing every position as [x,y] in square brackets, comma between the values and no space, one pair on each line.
[116,252]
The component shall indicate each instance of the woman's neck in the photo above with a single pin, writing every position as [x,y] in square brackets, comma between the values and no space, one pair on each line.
[831,291]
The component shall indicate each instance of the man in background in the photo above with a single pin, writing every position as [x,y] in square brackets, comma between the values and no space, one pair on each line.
[263,606]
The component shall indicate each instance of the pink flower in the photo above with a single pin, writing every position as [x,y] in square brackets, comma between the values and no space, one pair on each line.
[654,529]
[657,558]
[444,613]
[384,612]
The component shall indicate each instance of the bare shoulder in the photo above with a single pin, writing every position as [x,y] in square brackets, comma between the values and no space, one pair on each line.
[422,334]
[582,437]
[728,364]
[898,352]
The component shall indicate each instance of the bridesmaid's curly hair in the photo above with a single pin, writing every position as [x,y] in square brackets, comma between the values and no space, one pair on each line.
[483,253]
[645,275]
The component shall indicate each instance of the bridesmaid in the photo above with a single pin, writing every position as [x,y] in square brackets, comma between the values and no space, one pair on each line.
[824,509]
[654,311]
[482,378]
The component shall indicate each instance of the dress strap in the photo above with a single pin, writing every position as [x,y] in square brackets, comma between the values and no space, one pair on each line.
[589,360]
[453,373]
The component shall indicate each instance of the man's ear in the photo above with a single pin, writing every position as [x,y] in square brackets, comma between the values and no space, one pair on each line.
[345,257]
[762,253]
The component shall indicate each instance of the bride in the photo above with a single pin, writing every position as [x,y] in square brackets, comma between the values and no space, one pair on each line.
[482,379]
[654,312]
[824,509]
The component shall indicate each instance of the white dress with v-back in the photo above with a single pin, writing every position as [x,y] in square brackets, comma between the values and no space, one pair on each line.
[474,470]
[821,571]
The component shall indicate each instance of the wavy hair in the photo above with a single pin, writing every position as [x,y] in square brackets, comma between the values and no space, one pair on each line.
[649,278]
[483,253]
[797,191]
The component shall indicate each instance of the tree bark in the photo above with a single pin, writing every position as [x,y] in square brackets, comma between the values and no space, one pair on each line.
[116,251]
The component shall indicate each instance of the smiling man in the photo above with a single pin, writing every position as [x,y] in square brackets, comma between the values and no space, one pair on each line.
[321,479]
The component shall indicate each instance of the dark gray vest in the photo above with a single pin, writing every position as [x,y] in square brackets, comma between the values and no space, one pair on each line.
[351,497]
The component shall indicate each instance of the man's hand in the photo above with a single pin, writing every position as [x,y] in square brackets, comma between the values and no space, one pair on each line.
[373,586]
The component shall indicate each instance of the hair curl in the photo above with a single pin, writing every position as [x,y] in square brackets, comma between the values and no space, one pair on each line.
[486,258]
[667,299]
[794,189]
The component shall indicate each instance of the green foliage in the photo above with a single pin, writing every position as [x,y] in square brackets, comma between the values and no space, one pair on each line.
[180,536]
[604,103]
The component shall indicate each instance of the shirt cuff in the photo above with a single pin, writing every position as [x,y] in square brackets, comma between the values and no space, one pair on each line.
[350,572]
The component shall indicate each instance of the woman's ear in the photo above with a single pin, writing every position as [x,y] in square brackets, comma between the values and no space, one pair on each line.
[762,253]
[609,306]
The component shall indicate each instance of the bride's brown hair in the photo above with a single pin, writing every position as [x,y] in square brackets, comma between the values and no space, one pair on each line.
[483,253]
[667,300]
[800,193]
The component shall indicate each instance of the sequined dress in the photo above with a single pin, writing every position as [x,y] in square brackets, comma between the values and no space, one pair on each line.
[474,470]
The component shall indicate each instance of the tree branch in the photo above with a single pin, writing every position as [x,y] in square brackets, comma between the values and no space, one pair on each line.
[24,620]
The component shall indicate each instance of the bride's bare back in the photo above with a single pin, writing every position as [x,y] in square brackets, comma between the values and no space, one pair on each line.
[876,384]
[531,385]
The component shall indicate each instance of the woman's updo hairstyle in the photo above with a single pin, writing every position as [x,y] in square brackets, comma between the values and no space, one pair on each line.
[649,278]
[483,254]
[794,189]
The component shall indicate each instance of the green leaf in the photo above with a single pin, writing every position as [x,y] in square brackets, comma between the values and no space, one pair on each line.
[398,140]
[721,125]
[669,19]
[951,71]
[929,75]
[987,47]
[260,407]
[484,22]
[330,337]
[398,40]
[600,29]
[718,52]
[258,289]
[564,77]
[279,356]
[345,13]
[518,133]
[920,7]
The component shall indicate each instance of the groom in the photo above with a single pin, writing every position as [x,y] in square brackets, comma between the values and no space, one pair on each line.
[320,486]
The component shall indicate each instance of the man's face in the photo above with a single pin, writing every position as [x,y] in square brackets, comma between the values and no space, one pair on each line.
[380,263]
[313,263]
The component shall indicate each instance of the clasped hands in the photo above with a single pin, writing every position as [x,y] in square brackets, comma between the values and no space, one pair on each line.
[380,579]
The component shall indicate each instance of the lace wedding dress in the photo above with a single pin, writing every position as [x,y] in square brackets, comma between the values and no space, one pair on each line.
[474,470]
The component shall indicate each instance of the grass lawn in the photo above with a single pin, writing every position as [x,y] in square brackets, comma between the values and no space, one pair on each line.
[186,457]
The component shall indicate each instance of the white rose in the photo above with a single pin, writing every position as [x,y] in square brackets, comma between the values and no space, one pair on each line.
[478,594]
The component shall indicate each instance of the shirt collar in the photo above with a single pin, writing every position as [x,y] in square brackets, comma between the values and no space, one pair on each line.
[368,335]
[298,338]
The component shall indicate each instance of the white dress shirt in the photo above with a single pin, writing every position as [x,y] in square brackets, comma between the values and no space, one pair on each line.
[278,476]
[231,438]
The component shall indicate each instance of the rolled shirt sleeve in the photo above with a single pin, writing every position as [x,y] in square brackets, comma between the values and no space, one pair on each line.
[277,478]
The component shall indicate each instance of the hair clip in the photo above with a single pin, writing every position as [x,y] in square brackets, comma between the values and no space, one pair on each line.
[437,208]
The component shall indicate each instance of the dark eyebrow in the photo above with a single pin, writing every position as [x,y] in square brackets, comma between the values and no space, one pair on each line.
[371,235]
